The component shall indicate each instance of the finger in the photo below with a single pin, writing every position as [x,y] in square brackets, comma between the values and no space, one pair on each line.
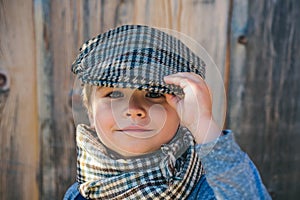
[210,93]
[183,80]
[176,80]
[188,75]
[187,81]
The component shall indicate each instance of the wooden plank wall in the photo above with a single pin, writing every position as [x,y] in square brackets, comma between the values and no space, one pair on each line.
[254,44]
[19,143]
[264,92]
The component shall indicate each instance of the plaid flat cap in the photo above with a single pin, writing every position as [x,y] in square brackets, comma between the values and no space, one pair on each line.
[137,57]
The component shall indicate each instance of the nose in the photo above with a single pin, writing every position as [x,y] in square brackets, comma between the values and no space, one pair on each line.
[133,113]
[136,108]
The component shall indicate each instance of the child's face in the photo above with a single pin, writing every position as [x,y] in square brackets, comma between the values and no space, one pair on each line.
[132,122]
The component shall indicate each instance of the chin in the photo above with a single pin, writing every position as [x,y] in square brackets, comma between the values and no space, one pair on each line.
[131,152]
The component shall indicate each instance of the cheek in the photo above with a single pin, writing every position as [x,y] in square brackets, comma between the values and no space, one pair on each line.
[172,121]
[157,114]
[163,115]
[103,116]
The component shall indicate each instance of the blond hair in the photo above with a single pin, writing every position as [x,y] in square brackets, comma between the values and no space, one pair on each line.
[87,96]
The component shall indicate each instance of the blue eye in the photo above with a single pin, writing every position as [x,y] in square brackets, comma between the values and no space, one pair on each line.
[115,94]
[154,95]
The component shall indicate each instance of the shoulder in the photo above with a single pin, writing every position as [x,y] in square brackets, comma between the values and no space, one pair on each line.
[73,193]
[202,190]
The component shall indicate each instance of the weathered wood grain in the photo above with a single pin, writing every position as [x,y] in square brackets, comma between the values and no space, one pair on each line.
[264,91]
[40,39]
[18,119]
[57,41]
[45,96]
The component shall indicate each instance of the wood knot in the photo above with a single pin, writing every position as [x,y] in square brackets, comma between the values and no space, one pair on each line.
[4,81]
[242,39]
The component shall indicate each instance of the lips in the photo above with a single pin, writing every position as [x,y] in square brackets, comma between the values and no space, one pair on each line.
[138,132]
[135,129]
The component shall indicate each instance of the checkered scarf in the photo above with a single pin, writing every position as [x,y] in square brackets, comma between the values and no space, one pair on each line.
[169,173]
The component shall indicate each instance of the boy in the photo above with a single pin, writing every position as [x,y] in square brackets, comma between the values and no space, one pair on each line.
[151,132]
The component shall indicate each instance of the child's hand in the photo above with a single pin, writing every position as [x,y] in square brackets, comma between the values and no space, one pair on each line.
[195,109]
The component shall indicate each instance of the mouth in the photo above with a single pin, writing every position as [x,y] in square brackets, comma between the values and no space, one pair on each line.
[135,128]
[137,131]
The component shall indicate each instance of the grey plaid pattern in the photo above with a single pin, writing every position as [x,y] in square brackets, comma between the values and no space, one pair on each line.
[104,175]
[137,57]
